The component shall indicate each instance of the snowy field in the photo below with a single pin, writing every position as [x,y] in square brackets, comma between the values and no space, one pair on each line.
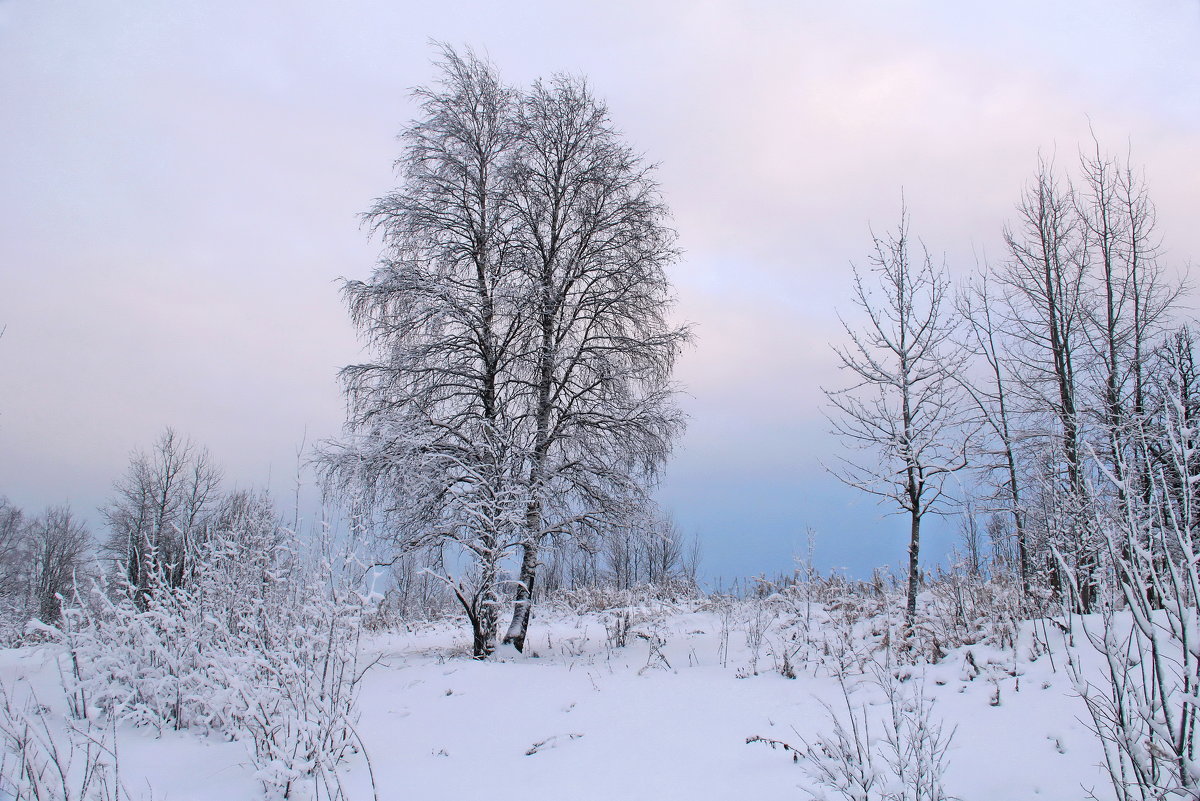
[666,715]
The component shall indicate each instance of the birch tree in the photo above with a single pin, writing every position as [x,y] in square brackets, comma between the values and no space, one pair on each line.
[904,411]
[599,348]
[431,437]
[519,385]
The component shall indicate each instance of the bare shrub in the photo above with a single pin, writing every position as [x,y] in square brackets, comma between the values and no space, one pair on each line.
[759,618]
[898,756]
[41,760]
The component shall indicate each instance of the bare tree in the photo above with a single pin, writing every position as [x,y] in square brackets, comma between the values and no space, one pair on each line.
[905,409]
[156,516]
[431,442]
[1045,317]
[665,551]
[12,546]
[993,401]
[39,560]
[1098,212]
[1151,297]
[599,349]
[1045,295]
[14,564]
[520,382]
[1084,295]
[1133,298]
[58,548]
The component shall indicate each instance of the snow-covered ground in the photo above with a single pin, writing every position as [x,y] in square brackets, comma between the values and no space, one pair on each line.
[666,716]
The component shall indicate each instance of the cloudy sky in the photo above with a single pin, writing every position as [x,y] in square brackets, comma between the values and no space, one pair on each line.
[180,184]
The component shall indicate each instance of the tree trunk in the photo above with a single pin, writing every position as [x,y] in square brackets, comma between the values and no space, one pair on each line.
[914,573]
[483,613]
[483,628]
[1018,517]
[523,608]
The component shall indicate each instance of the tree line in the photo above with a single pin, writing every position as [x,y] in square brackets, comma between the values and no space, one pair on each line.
[165,511]
[1052,391]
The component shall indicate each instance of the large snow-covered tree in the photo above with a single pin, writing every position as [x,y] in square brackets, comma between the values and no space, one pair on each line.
[518,386]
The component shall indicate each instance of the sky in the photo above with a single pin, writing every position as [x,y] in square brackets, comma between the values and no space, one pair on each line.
[180,185]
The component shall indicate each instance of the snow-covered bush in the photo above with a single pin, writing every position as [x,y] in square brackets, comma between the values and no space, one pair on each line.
[262,646]
[301,712]
[954,609]
[961,607]
[42,759]
[1143,699]
[606,597]
[761,616]
[898,754]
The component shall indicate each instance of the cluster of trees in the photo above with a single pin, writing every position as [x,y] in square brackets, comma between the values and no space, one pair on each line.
[39,560]
[1059,388]
[199,610]
[652,555]
[652,552]
[518,390]
[164,511]
[161,511]
[1055,385]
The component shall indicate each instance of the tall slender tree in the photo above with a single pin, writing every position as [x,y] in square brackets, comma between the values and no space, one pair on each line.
[1046,312]
[993,401]
[1045,294]
[905,410]
[1132,300]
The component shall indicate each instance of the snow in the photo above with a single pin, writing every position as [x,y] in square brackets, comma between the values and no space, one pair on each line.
[577,718]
